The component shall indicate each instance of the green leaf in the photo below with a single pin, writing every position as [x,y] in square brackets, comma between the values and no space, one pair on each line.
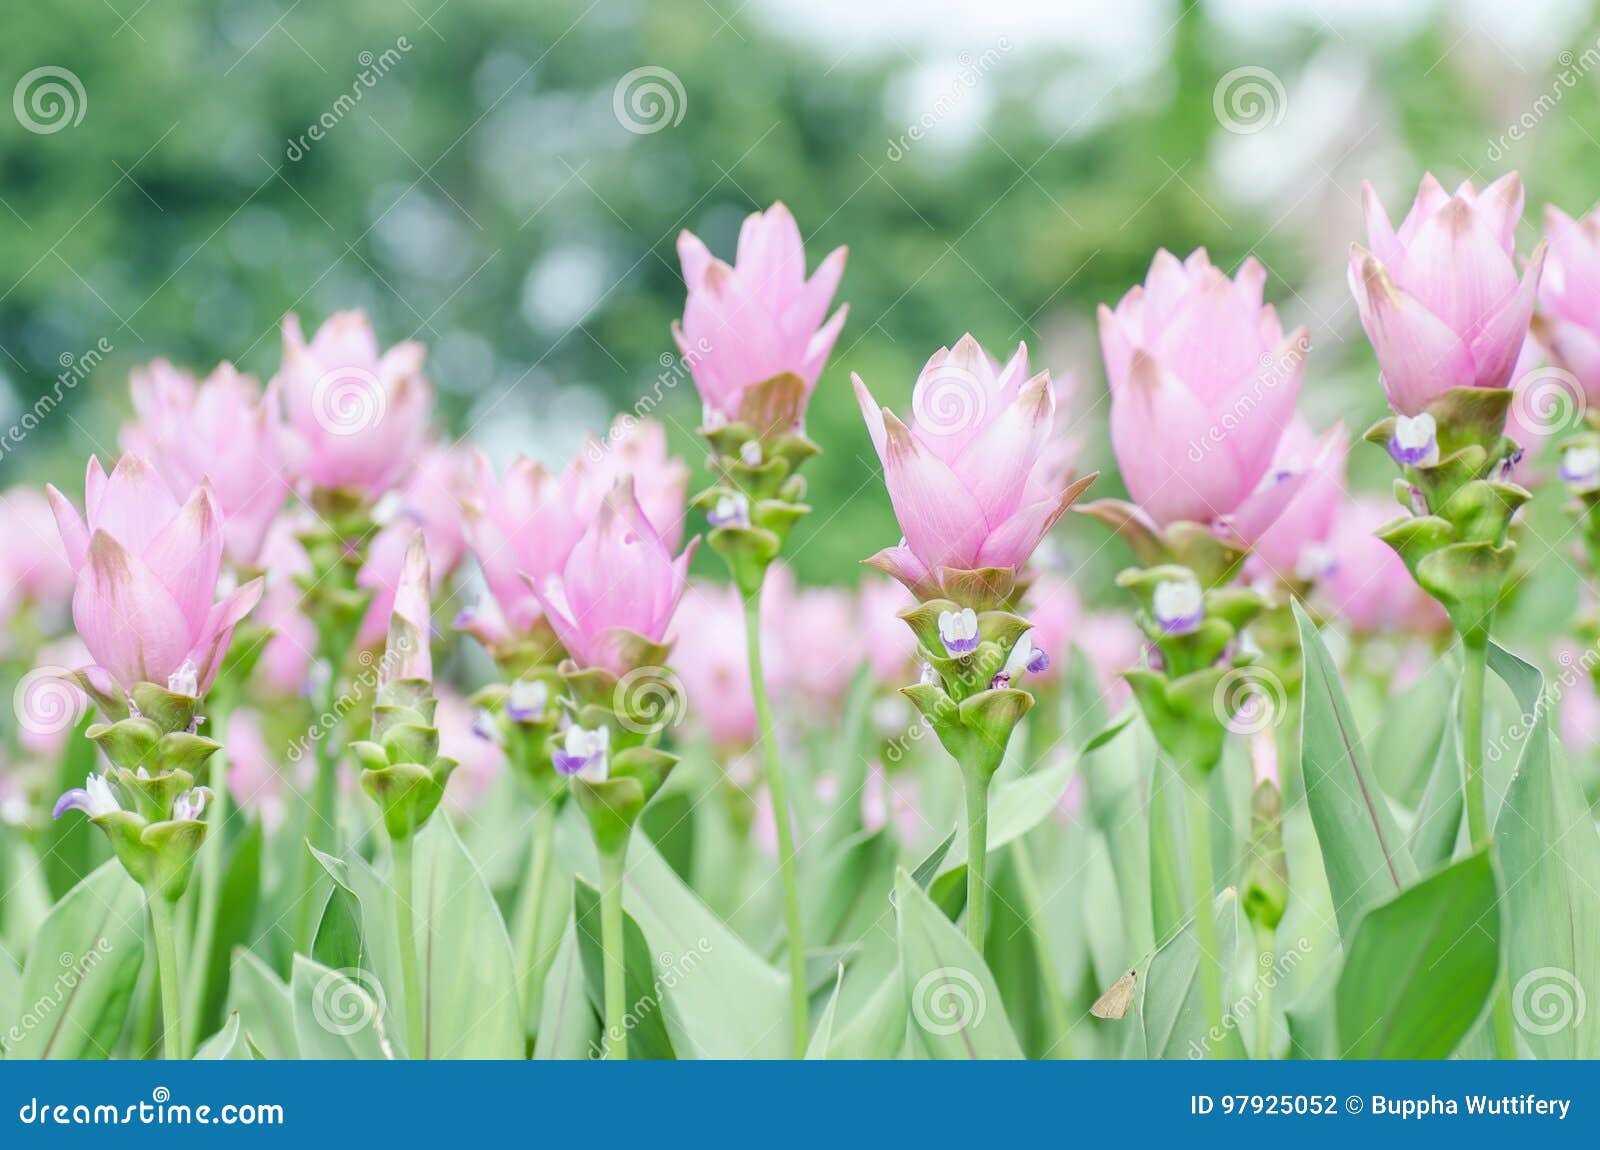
[875,1028]
[336,1016]
[647,1034]
[1363,852]
[337,942]
[69,847]
[81,970]
[954,1003]
[227,1044]
[1015,808]
[1420,966]
[1433,837]
[236,916]
[262,1002]
[848,888]
[1549,855]
[1313,1030]
[1172,1010]
[1168,831]
[822,1035]
[569,1027]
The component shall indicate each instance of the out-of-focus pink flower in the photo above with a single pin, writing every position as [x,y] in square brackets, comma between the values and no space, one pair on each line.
[33,566]
[1074,800]
[1264,757]
[48,707]
[1439,297]
[253,769]
[430,501]
[1203,385]
[409,654]
[636,447]
[1056,613]
[1545,402]
[223,430]
[620,584]
[1114,644]
[481,760]
[1568,323]
[1367,584]
[760,318]
[286,661]
[1294,547]
[893,799]
[967,478]
[357,417]
[817,648]
[709,656]
[147,574]
[1580,709]
[891,648]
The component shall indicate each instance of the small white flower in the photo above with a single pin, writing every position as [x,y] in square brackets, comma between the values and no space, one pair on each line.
[191,804]
[750,452]
[1580,468]
[730,511]
[1179,605]
[585,754]
[102,799]
[528,700]
[958,631]
[1416,440]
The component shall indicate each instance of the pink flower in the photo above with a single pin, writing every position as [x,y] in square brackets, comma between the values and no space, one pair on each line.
[1568,324]
[969,479]
[709,655]
[1203,385]
[253,777]
[1439,298]
[760,318]
[817,646]
[891,648]
[481,760]
[1293,547]
[1111,641]
[147,574]
[636,447]
[357,418]
[33,566]
[1056,614]
[893,798]
[1367,584]
[619,585]
[1544,402]
[286,661]
[222,430]
[409,653]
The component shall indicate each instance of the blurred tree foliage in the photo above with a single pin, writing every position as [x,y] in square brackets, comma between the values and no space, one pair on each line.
[483,196]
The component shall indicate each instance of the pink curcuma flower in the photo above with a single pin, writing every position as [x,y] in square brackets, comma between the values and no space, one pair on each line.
[409,653]
[1203,385]
[890,647]
[758,319]
[1439,296]
[223,430]
[1294,546]
[33,566]
[1568,323]
[709,656]
[147,572]
[618,588]
[1366,583]
[357,417]
[970,480]
[286,661]
[636,447]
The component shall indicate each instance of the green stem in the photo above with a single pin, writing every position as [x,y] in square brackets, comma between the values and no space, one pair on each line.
[1205,922]
[977,858]
[405,924]
[162,930]
[1266,947]
[800,1024]
[211,859]
[539,853]
[1475,655]
[1033,907]
[321,825]
[612,943]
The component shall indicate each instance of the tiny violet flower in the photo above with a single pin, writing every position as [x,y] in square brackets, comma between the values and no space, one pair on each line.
[958,631]
[750,453]
[928,677]
[1179,606]
[185,680]
[1580,468]
[483,727]
[527,701]
[94,798]
[585,754]
[1415,442]
[730,511]
[1024,657]
[191,804]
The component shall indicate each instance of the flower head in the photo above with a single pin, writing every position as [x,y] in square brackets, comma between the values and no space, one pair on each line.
[969,478]
[1203,386]
[585,754]
[222,429]
[147,571]
[1292,546]
[759,318]
[617,589]
[1568,323]
[1178,605]
[357,416]
[33,565]
[95,798]
[1439,296]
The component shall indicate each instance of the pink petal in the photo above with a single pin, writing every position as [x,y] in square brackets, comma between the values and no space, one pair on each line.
[1499,341]
[187,556]
[942,523]
[74,532]
[212,645]
[1420,357]
[126,617]
[1454,266]
[995,466]
[135,505]
[1380,232]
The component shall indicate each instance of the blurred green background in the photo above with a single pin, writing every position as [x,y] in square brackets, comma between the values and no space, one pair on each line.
[1000,168]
